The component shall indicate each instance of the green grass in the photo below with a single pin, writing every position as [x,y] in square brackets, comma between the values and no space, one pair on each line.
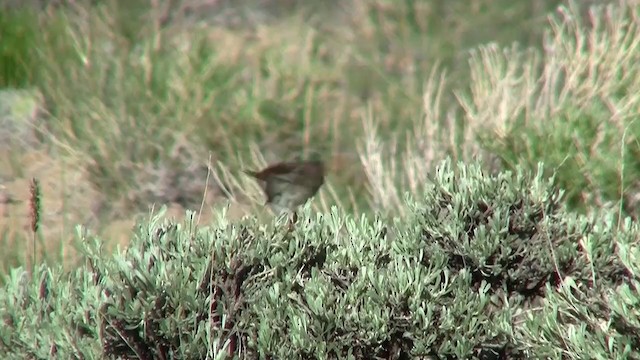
[576,110]
[138,102]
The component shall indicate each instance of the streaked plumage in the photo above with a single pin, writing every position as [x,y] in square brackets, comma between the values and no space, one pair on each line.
[288,185]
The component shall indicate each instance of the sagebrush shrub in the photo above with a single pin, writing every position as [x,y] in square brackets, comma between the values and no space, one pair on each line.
[469,274]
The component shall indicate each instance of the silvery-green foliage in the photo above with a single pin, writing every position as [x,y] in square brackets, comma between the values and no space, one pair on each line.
[484,266]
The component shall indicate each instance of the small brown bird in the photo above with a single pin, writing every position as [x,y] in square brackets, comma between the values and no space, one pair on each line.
[288,185]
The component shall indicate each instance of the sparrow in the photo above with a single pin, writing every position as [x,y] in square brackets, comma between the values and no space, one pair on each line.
[287,185]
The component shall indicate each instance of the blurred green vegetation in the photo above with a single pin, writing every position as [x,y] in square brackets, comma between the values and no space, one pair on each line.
[292,78]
